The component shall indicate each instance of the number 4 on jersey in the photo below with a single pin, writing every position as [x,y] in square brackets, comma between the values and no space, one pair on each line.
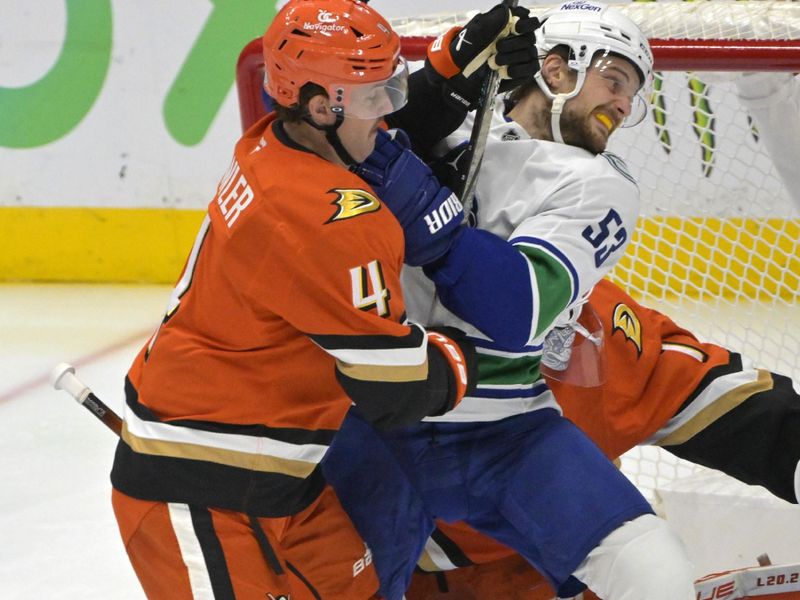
[366,279]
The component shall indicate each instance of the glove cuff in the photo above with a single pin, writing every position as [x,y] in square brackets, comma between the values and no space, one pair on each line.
[457,361]
[439,55]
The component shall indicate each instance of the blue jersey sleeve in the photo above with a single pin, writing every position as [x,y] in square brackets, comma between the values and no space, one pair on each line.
[487,282]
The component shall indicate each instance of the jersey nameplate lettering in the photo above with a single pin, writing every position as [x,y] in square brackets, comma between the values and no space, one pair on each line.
[234,194]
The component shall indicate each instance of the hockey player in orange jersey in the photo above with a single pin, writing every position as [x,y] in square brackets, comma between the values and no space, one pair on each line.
[289,311]
[664,387]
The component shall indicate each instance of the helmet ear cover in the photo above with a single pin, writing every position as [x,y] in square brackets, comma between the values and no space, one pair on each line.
[335,44]
[298,111]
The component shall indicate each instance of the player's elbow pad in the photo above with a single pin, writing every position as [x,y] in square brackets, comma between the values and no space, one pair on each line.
[485,281]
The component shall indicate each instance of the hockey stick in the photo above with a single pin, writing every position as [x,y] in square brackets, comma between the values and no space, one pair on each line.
[479,135]
[63,378]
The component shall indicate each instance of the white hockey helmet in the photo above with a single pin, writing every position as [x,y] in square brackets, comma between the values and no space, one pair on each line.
[588,28]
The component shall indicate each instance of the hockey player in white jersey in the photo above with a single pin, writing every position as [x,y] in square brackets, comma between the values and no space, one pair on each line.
[504,460]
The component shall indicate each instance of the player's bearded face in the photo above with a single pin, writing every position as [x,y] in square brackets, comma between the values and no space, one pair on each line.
[604,102]
[587,127]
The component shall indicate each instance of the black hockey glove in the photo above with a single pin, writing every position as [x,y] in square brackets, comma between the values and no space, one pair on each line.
[448,168]
[502,39]
[452,374]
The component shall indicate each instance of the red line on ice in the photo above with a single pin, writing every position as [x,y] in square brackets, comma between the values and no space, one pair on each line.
[44,379]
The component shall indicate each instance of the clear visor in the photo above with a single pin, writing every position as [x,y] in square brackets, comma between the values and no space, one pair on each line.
[371,100]
[574,354]
[622,79]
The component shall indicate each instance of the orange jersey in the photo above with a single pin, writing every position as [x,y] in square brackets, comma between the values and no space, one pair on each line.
[657,390]
[653,367]
[295,272]
[242,556]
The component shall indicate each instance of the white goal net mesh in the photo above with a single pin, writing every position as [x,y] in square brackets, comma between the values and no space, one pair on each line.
[716,19]
[718,246]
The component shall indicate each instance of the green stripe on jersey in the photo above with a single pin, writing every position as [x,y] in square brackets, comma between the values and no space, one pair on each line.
[500,370]
[554,285]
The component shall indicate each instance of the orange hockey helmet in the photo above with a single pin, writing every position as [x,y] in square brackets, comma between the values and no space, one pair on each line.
[342,45]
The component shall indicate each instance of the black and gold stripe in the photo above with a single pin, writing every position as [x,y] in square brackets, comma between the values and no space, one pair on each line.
[215,464]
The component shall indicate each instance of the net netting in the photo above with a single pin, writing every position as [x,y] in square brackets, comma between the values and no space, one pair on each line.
[710,20]
[718,245]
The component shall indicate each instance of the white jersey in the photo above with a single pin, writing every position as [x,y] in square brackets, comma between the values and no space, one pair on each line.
[572,214]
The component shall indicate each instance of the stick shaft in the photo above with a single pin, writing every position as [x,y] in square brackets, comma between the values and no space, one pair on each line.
[95,406]
[477,142]
[479,135]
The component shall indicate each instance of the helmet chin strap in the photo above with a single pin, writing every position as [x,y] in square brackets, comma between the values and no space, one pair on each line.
[555,116]
[333,138]
[558,101]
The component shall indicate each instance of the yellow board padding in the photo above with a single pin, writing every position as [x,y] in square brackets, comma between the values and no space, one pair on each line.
[95,245]
[743,258]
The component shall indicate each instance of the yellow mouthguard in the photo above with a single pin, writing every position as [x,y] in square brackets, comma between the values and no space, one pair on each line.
[604,120]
